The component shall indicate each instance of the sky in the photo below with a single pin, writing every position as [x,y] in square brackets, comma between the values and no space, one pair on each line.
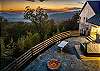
[49,4]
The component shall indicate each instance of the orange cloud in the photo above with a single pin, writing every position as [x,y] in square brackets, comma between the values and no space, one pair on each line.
[16,5]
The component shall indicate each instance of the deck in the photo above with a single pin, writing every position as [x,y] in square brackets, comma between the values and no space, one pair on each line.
[21,61]
[70,61]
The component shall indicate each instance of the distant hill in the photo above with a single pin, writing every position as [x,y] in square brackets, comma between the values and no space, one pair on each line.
[58,16]
[66,9]
[61,16]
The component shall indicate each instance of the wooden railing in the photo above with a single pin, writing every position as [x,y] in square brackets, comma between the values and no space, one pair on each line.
[19,62]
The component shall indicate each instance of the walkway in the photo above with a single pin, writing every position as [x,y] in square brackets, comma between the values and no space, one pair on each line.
[69,62]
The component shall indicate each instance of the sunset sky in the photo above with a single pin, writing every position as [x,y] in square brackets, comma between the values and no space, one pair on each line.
[49,4]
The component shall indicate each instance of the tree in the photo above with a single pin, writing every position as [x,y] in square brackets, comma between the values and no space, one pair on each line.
[8,50]
[2,19]
[42,0]
[39,0]
[75,17]
[38,17]
[25,43]
[70,24]
[50,29]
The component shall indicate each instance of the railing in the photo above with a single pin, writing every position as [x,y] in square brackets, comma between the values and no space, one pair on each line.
[19,62]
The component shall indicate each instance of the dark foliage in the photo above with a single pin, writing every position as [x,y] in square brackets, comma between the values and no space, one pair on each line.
[16,38]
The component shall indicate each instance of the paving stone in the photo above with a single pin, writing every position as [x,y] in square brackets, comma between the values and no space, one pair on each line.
[69,62]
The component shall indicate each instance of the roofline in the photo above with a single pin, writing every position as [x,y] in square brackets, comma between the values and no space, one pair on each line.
[83,7]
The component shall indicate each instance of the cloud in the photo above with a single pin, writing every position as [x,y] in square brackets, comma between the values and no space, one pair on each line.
[57,0]
[54,0]
[13,0]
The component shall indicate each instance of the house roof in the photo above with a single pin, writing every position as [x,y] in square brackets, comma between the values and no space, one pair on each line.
[96,8]
[95,5]
[94,20]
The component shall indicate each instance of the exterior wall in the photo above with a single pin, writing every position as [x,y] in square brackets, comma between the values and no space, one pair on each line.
[86,13]
[93,48]
[85,29]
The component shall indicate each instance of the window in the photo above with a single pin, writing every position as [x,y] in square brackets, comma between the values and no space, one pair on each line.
[86,19]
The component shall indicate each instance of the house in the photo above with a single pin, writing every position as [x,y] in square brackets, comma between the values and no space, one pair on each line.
[90,20]
[90,26]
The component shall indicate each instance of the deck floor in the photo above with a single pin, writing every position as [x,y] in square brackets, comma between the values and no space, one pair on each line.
[69,61]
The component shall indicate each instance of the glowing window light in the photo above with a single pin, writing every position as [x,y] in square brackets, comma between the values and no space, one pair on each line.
[93,32]
[98,30]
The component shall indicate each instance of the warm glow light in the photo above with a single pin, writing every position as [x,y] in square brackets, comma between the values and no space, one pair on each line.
[0,6]
[93,32]
[20,5]
[93,48]
[98,30]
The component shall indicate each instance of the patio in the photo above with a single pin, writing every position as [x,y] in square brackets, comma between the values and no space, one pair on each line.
[68,59]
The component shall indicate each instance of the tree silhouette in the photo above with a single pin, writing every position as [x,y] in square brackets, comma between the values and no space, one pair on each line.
[42,0]
[38,17]
[34,0]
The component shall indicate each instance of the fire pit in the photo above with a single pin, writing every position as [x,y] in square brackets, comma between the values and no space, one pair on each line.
[53,64]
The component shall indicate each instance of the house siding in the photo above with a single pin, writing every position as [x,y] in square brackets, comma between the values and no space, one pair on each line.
[86,13]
